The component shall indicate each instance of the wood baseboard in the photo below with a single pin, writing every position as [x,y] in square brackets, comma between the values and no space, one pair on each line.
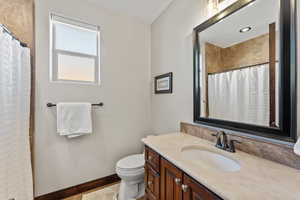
[71,191]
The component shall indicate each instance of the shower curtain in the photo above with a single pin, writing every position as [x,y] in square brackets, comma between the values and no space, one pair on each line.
[240,95]
[15,163]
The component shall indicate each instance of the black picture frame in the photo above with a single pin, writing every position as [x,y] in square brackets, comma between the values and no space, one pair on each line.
[287,130]
[170,79]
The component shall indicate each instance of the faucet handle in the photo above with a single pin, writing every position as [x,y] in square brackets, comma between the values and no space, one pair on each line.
[215,134]
[219,142]
[231,147]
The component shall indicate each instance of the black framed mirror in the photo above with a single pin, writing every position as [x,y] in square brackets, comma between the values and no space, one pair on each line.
[245,69]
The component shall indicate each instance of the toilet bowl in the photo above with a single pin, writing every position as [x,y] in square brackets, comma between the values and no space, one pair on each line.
[131,171]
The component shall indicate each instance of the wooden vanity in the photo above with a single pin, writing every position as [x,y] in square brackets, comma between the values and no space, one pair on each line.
[164,181]
[170,174]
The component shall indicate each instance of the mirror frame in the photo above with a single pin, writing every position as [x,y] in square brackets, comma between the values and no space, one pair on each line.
[287,130]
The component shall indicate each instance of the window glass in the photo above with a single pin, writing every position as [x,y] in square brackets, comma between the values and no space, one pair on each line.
[71,38]
[76,68]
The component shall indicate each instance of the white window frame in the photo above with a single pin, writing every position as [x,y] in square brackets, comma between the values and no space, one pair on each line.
[54,18]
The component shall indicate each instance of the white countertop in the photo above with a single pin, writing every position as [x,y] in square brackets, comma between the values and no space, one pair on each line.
[258,179]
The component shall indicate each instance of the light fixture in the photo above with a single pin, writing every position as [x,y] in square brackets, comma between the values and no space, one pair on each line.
[246,29]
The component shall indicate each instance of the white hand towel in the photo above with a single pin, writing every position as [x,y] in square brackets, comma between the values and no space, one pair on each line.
[74,119]
[297,147]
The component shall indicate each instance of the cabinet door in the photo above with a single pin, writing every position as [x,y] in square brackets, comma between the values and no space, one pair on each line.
[192,190]
[171,180]
[151,183]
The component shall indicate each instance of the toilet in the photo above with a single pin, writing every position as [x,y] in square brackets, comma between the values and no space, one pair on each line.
[131,171]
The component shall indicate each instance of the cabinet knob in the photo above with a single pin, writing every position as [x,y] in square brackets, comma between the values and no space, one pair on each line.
[150,183]
[184,188]
[177,181]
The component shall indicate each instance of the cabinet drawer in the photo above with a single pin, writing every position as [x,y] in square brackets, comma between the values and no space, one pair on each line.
[152,158]
[152,183]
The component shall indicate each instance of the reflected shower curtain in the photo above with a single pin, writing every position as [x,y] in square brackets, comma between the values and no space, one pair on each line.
[240,95]
[15,163]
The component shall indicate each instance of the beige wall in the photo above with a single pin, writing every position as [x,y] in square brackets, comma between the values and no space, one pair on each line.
[125,91]
[17,15]
[172,51]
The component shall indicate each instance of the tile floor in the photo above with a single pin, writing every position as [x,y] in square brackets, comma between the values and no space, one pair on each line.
[103,193]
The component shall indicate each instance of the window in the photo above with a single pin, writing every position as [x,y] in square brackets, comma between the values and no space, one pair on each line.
[75,51]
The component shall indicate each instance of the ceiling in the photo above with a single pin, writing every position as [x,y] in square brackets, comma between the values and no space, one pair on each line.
[145,10]
[257,15]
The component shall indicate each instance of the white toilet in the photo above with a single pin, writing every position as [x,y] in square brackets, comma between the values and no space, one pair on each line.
[131,171]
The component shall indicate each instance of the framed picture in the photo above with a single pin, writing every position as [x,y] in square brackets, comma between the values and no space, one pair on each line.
[164,83]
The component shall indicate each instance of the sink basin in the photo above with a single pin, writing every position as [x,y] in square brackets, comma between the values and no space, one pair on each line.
[200,155]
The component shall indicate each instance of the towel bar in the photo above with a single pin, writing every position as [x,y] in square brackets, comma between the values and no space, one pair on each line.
[49,105]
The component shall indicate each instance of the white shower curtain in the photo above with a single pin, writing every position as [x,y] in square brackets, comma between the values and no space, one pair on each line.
[15,163]
[240,95]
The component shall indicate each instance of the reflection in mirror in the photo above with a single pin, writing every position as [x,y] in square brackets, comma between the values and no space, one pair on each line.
[239,59]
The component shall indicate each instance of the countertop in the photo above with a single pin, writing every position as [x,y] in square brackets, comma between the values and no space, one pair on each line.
[258,179]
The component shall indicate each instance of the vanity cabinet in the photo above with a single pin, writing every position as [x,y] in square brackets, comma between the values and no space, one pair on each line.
[164,181]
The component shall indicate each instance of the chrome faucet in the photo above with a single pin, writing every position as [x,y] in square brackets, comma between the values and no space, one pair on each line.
[222,142]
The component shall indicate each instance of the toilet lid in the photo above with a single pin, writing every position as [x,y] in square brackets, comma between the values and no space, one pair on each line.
[131,162]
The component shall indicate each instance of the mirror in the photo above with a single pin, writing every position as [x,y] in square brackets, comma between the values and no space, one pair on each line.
[240,68]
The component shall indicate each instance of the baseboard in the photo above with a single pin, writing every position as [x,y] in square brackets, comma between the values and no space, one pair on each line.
[71,191]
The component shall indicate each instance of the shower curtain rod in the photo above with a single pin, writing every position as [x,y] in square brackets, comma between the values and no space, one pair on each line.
[229,70]
[6,30]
